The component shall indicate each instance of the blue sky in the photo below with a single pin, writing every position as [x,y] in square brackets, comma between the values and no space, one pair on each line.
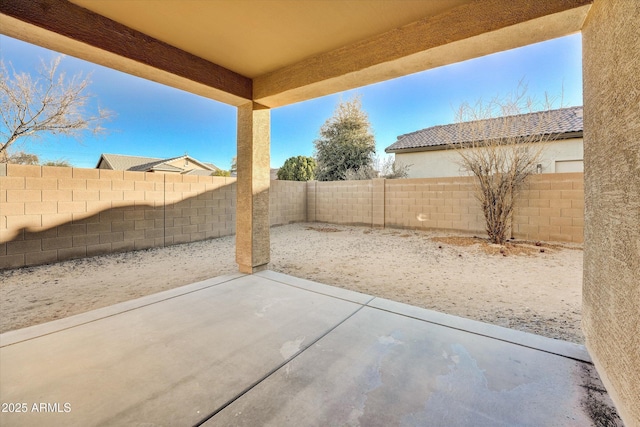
[157,121]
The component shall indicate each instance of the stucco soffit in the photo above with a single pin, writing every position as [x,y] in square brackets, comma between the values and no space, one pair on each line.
[466,32]
[73,30]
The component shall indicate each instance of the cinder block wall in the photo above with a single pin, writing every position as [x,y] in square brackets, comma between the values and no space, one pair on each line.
[343,202]
[287,202]
[550,207]
[611,291]
[194,208]
[50,214]
[426,203]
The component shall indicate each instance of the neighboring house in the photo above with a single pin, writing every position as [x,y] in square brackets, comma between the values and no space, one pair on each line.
[431,156]
[184,165]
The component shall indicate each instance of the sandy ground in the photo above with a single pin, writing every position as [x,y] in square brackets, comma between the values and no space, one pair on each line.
[522,288]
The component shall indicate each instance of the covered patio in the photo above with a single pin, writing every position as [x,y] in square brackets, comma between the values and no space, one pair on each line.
[271,349]
[264,349]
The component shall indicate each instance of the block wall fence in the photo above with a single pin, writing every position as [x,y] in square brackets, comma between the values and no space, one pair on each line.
[551,206]
[50,214]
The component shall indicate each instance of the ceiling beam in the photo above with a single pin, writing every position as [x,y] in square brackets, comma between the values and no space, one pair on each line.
[469,31]
[67,28]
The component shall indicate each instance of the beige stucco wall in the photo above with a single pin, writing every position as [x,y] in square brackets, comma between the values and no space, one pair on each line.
[611,294]
[443,163]
[185,164]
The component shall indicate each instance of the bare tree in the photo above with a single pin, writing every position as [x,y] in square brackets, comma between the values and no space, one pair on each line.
[49,103]
[501,143]
[22,158]
[391,168]
[360,174]
[234,166]
[383,167]
[61,163]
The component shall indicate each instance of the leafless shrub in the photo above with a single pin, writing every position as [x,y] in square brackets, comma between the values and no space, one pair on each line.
[390,168]
[501,143]
[360,174]
[386,167]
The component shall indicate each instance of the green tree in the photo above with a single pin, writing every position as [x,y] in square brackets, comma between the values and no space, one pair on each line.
[298,168]
[346,145]
[221,172]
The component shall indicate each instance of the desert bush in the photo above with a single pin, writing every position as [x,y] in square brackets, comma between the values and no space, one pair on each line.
[501,142]
[298,168]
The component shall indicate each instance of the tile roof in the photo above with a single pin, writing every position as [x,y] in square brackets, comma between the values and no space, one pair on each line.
[143,164]
[559,122]
[153,164]
[198,172]
[123,163]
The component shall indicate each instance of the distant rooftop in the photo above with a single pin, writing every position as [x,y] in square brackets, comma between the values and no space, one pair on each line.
[153,164]
[564,122]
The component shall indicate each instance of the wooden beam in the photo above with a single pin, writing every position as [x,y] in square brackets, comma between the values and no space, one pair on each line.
[469,31]
[67,28]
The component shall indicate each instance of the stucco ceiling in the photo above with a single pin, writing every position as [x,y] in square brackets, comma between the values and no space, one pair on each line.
[277,52]
[254,37]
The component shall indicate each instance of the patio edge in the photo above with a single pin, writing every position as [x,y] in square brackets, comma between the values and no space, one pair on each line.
[35,331]
[525,339]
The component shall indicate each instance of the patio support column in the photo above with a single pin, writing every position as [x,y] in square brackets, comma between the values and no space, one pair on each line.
[611,289]
[252,210]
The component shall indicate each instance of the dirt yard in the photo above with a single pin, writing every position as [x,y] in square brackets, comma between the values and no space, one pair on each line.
[522,286]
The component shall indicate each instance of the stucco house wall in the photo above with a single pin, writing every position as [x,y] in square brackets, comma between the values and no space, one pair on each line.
[611,290]
[186,163]
[559,156]
[429,155]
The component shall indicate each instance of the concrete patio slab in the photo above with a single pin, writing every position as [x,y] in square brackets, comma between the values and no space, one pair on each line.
[270,349]
[538,342]
[169,362]
[381,369]
[69,322]
[319,288]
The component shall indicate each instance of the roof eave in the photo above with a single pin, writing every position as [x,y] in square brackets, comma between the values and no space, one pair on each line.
[417,149]
[186,156]
[554,137]
[100,161]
